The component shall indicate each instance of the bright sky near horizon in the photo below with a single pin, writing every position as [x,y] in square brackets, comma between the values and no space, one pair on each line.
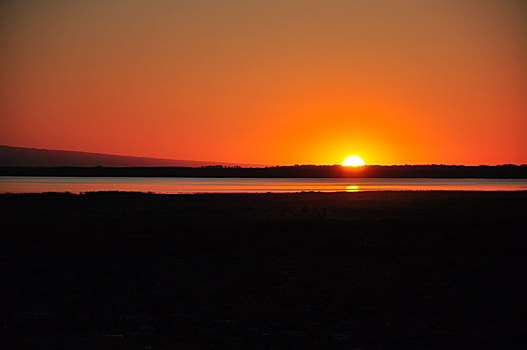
[268,82]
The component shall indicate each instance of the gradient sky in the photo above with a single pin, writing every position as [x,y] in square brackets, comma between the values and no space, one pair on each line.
[268,82]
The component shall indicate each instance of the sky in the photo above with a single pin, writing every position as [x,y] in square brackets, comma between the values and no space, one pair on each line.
[268,82]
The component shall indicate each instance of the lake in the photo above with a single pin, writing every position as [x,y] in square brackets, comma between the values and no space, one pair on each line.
[20,184]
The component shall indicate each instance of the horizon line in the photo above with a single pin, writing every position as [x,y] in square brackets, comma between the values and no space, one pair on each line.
[247,165]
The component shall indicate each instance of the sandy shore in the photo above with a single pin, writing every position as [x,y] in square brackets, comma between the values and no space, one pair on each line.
[375,270]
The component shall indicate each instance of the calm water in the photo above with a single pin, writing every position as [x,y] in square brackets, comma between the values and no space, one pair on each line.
[210,185]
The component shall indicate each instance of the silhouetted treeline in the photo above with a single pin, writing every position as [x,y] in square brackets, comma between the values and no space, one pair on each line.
[303,171]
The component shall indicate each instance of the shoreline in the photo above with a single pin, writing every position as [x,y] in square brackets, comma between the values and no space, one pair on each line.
[509,171]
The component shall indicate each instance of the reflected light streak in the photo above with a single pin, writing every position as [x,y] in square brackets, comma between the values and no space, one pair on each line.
[352,188]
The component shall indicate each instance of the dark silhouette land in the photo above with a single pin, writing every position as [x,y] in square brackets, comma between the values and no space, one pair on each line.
[302,171]
[19,161]
[376,270]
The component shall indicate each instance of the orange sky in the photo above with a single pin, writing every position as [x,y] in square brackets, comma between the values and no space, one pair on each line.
[268,82]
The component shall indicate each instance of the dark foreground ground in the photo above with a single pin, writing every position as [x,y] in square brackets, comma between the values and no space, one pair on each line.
[379,270]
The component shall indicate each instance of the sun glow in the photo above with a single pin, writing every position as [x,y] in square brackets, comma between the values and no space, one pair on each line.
[353,161]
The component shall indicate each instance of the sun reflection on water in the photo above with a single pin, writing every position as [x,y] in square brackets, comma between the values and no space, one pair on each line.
[352,188]
[19,184]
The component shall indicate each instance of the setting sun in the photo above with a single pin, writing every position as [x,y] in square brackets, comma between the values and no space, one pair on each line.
[353,161]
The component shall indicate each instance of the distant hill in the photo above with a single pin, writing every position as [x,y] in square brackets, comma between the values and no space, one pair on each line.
[34,157]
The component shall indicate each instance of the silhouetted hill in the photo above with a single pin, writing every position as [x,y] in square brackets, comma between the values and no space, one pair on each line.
[33,157]
[303,171]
